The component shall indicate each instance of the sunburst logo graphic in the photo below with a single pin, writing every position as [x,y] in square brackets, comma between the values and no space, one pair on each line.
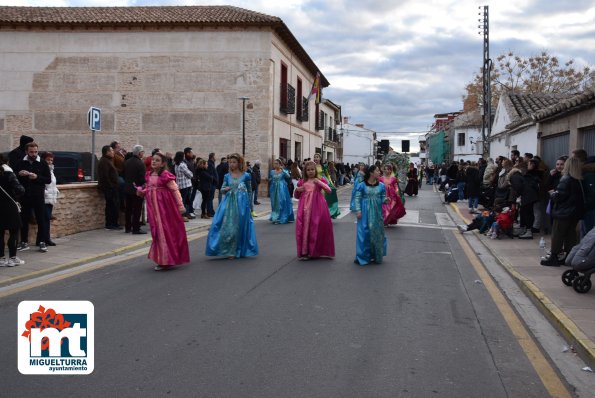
[56,337]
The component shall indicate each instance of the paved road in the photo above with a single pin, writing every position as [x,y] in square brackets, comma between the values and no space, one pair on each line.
[416,326]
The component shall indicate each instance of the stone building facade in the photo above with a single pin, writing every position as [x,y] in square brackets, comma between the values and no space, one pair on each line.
[166,77]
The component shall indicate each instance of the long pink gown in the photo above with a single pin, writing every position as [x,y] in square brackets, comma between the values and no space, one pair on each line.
[170,244]
[394,209]
[313,227]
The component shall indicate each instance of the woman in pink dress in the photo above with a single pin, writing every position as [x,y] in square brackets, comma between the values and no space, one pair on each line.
[164,210]
[313,227]
[394,209]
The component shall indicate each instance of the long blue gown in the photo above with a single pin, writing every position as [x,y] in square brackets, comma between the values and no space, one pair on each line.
[281,205]
[371,242]
[359,177]
[232,229]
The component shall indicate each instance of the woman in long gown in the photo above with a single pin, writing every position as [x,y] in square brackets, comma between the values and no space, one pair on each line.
[281,205]
[357,178]
[164,210]
[232,231]
[369,197]
[412,184]
[314,228]
[332,200]
[394,209]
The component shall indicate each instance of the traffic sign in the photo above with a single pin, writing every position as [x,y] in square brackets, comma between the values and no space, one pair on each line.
[94,118]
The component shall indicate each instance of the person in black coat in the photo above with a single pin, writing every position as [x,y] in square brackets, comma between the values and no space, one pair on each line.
[473,187]
[134,176]
[17,154]
[33,174]
[256,178]
[568,208]
[205,184]
[221,169]
[10,219]
[214,183]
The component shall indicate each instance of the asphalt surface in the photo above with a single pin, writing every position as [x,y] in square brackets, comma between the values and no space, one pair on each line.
[418,325]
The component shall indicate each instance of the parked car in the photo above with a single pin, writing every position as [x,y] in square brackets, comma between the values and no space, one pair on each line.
[70,167]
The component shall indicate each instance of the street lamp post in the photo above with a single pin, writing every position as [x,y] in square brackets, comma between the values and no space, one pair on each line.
[243,125]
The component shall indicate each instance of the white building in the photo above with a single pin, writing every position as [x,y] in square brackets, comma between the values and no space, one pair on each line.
[467,144]
[329,117]
[514,127]
[359,144]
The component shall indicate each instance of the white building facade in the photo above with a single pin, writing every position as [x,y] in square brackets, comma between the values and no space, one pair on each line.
[467,144]
[359,144]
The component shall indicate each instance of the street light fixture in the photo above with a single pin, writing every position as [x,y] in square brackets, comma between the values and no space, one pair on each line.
[244,99]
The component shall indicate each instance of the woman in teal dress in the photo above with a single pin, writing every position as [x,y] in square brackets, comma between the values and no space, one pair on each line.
[232,233]
[359,177]
[331,197]
[281,204]
[369,196]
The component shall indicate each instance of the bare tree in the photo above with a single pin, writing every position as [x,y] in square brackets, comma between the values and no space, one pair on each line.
[540,73]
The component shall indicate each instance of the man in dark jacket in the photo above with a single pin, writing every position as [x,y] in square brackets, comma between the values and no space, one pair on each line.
[212,170]
[134,174]
[190,160]
[33,174]
[17,154]
[256,178]
[221,170]
[107,182]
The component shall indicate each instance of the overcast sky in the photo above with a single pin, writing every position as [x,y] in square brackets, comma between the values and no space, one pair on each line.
[393,64]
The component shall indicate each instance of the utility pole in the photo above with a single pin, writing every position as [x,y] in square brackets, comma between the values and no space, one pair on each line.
[486,109]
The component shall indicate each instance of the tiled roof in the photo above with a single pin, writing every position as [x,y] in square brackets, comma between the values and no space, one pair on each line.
[521,107]
[159,16]
[194,15]
[579,101]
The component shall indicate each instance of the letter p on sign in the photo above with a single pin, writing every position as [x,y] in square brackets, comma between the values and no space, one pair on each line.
[94,119]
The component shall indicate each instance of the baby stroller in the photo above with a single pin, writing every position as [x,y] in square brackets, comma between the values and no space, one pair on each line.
[582,260]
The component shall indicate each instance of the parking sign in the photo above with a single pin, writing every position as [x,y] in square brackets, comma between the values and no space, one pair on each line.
[94,119]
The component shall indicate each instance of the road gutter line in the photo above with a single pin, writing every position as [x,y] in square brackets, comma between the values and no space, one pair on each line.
[564,324]
[546,373]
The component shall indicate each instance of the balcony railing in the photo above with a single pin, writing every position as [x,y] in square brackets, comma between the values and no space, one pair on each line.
[287,105]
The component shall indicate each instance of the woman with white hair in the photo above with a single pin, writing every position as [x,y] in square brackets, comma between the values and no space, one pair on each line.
[568,208]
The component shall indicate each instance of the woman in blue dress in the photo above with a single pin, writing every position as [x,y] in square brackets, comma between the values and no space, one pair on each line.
[357,178]
[232,233]
[369,197]
[281,205]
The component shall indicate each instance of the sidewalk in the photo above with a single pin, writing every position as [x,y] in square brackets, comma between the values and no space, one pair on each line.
[85,247]
[573,314]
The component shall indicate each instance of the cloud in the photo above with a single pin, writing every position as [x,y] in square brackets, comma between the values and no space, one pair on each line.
[393,65]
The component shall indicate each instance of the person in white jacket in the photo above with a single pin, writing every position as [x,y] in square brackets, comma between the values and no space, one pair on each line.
[51,197]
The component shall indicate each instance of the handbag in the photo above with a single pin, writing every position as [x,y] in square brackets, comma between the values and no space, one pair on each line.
[548,209]
[17,204]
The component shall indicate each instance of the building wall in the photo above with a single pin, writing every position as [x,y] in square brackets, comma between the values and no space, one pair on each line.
[572,123]
[80,208]
[357,145]
[164,89]
[287,126]
[524,141]
[468,151]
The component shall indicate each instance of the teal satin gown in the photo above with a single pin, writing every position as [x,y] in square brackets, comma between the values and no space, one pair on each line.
[281,204]
[232,230]
[370,242]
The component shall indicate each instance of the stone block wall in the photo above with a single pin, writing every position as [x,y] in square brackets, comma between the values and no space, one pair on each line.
[80,208]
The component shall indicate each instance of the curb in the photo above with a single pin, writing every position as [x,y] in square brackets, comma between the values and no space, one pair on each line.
[564,325]
[110,253]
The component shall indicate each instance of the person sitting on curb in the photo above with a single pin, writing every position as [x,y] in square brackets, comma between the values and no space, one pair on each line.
[482,222]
